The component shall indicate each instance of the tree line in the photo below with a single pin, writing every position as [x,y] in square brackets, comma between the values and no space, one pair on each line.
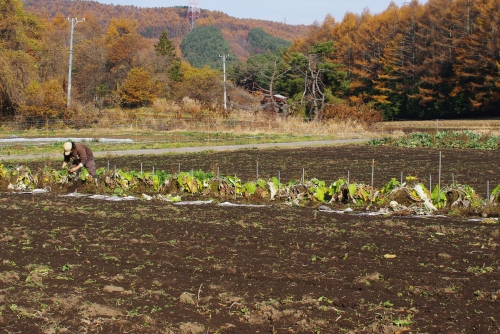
[436,60]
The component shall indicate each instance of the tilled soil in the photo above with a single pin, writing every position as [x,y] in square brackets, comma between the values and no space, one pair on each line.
[83,265]
[78,265]
[476,168]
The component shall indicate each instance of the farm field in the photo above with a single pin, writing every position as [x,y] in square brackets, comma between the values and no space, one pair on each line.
[75,265]
[329,163]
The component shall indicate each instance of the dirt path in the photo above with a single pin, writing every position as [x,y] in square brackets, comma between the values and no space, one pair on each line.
[189,149]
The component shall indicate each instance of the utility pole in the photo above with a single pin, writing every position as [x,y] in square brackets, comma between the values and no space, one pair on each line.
[224,57]
[73,21]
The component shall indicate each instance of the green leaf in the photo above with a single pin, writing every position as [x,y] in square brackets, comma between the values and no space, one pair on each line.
[403,322]
[319,194]
[84,173]
[352,189]
[391,185]
[438,197]
[337,185]
[249,187]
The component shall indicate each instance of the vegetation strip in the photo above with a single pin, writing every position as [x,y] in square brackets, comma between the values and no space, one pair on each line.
[410,196]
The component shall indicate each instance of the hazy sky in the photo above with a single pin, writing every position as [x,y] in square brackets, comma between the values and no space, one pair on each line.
[291,11]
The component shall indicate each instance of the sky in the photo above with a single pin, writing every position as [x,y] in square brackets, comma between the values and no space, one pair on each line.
[288,11]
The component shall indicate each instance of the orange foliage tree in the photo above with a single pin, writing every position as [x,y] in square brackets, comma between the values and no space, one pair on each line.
[138,89]
[44,100]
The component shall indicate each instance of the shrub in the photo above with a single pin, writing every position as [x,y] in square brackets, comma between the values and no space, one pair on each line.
[361,112]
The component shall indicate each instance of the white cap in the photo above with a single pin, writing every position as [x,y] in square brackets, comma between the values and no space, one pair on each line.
[68,146]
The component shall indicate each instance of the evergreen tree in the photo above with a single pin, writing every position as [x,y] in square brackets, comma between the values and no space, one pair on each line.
[171,63]
[261,41]
[203,45]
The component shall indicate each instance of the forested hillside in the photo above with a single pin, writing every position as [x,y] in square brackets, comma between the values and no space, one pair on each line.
[436,60]
[152,21]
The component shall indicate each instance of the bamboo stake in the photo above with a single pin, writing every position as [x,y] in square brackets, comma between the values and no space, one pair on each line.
[487,190]
[439,179]
[371,190]
[279,184]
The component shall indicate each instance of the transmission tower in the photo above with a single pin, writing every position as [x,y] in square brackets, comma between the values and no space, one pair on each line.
[193,11]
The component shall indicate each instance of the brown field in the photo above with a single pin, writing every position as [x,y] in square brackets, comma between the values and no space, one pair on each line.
[76,265]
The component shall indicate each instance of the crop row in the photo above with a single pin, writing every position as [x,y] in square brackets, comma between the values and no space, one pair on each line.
[443,139]
[409,194]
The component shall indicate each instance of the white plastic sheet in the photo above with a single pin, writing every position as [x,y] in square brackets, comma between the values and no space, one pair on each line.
[35,191]
[193,202]
[101,197]
[60,139]
[246,205]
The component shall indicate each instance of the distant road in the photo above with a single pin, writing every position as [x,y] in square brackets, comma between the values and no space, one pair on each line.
[190,149]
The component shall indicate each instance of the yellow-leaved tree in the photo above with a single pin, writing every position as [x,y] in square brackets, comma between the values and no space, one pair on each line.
[138,89]
[44,100]
[19,37]
[201,84]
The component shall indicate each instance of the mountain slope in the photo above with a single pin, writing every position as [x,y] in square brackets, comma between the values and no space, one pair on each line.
[152,21]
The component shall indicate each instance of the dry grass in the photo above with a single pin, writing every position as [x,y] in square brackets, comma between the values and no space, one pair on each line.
[164,116]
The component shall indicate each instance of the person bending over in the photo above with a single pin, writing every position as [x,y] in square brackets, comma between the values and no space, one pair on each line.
[82,156]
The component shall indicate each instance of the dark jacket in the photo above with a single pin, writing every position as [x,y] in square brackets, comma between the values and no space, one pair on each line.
[81,154]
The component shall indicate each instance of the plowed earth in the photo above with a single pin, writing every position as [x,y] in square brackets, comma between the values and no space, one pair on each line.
[89,266]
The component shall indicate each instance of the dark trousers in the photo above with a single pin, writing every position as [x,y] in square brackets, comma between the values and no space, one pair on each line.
[90,165]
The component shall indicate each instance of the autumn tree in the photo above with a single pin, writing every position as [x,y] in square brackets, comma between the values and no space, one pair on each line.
[475,61]
[45,100]
[53,58]
[318,76]
[138,89]
[92,82]
[201,84]
[122,42]
[19,39]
